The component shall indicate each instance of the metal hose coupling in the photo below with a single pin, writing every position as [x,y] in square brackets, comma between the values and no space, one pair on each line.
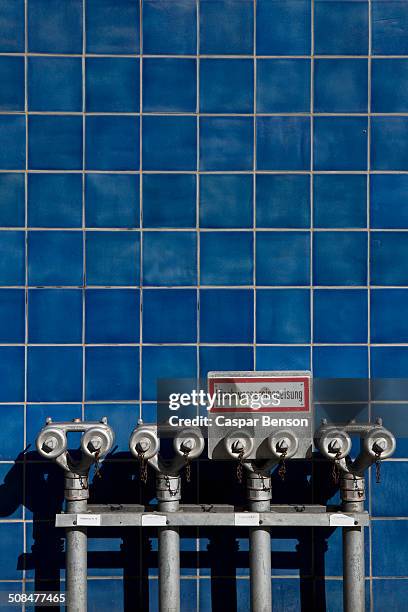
[96,441]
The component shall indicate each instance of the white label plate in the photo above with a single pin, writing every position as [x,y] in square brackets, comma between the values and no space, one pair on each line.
[246,518]
[341,520]
[153,520]
[89,520]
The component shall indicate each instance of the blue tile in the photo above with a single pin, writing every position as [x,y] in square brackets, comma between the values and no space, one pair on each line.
[161,362]
[340,86]
[282,316]
[283,200]
[112,143]
[340,200]
[11,480]
[389,594]
[225,358]
[227,315]
[283,85]
[12,374]
[389,86]
[54,374]
[387,201]
[55,142]
[340,315]
[340,143]
[390,27]
[226,258]
[109,554]
[12,198]
[112,316]
[287,593]
[55,84]
[55,316]
[38,413]
[388,558]
[226,143]
[149,413]
[112,27]
[226,86]
[226,200]
[341,28]
[122,419]
[55,258]
[169,315]
[169,85]
[283,143]
[283,28]
[105,595]
[388,320]
[13,139]
[112,258]
[112,373]
[283,258]
[12,315]
[340,258]
[112,85]
[112,200]
[393,486]
[226,27]
[388,364]
[169,143]
[394,416]
[169,258]
[12,428]
[285,357]
[12,79]
[12,256]
[55,26]
[55,200]
[340,362]
[12,26]
[389,143]
[169,200]
[389,258]
[169,27]
[11,549]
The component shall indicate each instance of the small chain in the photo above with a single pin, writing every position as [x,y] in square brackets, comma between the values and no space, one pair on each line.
[97,465]
[264,488]
[336,468]
[282,466]
[188,467]
[377,468]
[240,469]
[143,467]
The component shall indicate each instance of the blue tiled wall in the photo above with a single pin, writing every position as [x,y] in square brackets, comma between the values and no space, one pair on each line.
[189,185]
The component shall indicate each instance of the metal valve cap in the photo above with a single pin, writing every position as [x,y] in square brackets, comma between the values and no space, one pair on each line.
[239,444]
[51,442]
[98,439]
[283,443]
[334,443]
[144,442]
[379,442]
[189,441]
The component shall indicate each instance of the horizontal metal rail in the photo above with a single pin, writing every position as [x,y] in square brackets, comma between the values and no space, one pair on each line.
[212,516]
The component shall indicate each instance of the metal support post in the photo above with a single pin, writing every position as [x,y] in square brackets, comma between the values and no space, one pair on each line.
[259,497]
[352,489]
[168,496]
[76,495]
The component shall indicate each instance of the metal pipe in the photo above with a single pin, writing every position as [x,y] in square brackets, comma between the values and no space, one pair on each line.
[168,495]
[353,546]
[76,561]
[259,497]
